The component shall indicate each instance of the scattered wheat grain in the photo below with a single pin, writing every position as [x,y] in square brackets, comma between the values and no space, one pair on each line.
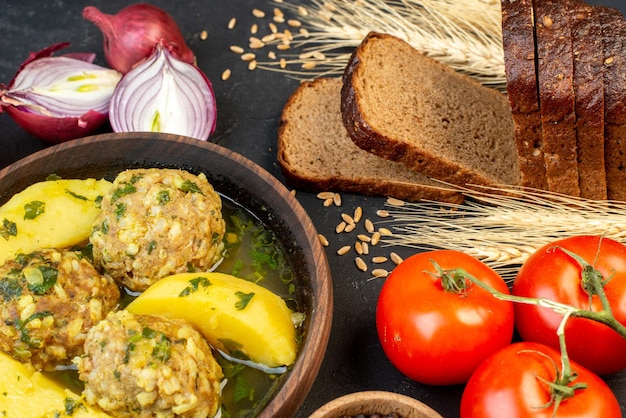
[395,258]
[380,273]
[364,238]
[283,47]
[258,13]
[350,227]
[256,43]
[337,199]
[358,214]
[302,11]
[278,12]
[236,49]
[309,65]
[385,231]
[282,63]
[379,260]
[271,55]
[254,28]
[347,218]
[323,240]
[303,32]
[328,202]
[226,74]
[273,27]
[358,247]
[382,213]
[232,22]
[375,238]
[294,23]
[369,226]
[268,38]
[395,202]
[360,264]
[279,19]
[325,195]
[252,65]
[204,35]
[248,56]
[341,227]
[366,248]
[343,250]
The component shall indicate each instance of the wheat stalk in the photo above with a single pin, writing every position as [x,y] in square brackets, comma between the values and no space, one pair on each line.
[502,226]
[464,34]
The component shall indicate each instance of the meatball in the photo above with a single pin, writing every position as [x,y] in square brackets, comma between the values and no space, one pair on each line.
[50,299]
[157,222]
[146,365]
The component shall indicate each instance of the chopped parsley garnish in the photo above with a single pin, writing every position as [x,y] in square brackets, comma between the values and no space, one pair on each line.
[123,191]
[8,229]
[162,345]
[194,285]
[41,279]
[151,246]
[189,186]
[9,289]
[34,209]
[75,196]
[163,197]
[24,335]
[119,211]
[244,300]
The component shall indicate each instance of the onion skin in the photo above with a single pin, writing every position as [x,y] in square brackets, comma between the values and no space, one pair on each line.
[164,94]
[50,128]
[132,33]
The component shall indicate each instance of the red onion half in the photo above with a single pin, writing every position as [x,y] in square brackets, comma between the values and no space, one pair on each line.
[164,94]
[59,98]
[131,34]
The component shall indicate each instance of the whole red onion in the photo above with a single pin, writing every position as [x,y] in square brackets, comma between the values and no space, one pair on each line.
[132,34]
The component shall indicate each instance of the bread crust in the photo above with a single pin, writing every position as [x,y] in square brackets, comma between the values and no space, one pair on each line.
[518,36]
[614,41]
[416,157]
[556,95]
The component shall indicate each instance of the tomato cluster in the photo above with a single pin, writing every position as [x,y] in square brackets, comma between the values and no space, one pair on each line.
[440,323]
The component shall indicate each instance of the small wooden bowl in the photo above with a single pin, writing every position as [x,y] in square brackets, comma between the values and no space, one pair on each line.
[375,402]
[237,178]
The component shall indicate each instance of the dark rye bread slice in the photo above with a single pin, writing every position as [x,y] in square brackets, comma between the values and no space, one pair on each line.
[589,99]
[556,95]
[403,106]
[614,41]
[315,152]
[518,36]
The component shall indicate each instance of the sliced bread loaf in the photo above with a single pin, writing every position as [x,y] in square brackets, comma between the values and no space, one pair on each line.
[556,95]
[614,41]
[316,153]
[589,100]
[518,36]
[403,106]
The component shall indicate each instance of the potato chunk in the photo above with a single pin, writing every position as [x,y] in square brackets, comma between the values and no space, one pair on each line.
[236,316]
[49,214]
[25,392]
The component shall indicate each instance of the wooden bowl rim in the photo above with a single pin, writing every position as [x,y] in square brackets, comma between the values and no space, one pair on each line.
[375,402]
[297,385]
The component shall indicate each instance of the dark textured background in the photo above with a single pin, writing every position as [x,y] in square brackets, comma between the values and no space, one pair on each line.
[249,106]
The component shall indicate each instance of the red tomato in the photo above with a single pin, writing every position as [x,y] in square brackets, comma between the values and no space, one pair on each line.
[552,274]
[509,383]
[435,336]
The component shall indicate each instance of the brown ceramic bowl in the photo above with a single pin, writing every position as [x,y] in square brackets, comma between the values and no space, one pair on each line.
[375,402]
[235,177]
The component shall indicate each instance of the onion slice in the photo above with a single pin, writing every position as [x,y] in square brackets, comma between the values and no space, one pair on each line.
[59,98]
[164,94]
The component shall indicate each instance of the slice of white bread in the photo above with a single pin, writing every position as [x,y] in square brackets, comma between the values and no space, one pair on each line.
[315,152]
[403,106]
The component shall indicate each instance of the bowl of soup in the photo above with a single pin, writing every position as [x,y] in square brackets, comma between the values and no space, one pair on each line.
[276,247]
